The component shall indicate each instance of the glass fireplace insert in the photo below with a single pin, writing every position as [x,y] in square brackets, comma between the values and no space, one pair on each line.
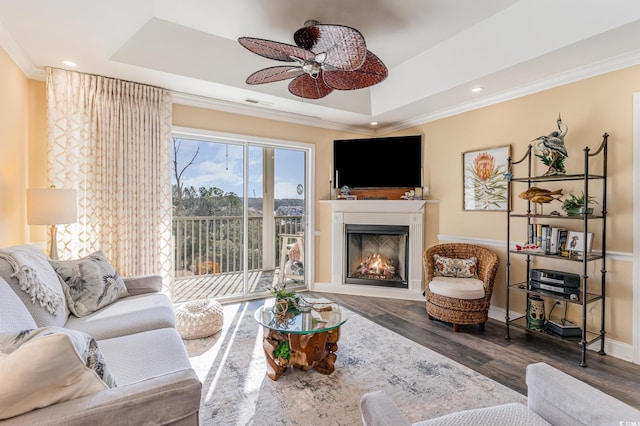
[377,255]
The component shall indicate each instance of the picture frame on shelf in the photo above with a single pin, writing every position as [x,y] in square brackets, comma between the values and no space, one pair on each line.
[484,186]
[576,244]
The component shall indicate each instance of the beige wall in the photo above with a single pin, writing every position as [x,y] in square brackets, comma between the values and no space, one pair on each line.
[590,108]
[14,133]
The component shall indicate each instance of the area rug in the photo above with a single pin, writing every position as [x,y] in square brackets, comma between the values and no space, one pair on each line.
[423,383]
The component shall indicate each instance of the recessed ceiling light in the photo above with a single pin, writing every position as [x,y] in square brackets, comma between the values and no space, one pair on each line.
[477,89]
[374,123]
[70,63]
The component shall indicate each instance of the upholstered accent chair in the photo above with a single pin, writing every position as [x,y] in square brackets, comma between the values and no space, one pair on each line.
[457,287]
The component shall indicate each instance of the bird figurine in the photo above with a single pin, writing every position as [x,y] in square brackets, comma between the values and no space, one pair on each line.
[540,196]
[552,149]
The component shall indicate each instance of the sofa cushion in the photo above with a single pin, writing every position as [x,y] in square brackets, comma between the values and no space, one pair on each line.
[90,283]
[31,277]
[14,316]
[128,315]
[457,288]
[138,357]
[505,414]
[451,267]
[46,366]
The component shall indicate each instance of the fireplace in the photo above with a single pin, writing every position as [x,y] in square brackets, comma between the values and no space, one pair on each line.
[392,229]
[376,255]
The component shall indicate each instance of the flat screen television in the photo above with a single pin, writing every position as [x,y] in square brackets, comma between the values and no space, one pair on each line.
[391,162]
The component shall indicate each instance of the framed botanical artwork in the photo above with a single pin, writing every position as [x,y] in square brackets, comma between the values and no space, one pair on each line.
[576,243]
[483,179]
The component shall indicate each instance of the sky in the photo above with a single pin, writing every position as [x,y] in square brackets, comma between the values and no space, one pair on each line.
[221,165]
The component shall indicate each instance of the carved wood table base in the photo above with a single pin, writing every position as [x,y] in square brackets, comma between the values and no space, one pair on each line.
[306,351]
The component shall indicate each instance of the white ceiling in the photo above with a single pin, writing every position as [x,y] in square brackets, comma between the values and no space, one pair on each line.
[436,50]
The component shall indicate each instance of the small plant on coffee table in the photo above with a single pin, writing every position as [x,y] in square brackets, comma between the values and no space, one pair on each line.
[286,300]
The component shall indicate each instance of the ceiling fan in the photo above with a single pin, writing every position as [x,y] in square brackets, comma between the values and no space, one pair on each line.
[327,57]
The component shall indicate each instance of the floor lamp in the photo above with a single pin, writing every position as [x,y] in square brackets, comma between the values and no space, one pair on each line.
[52,206]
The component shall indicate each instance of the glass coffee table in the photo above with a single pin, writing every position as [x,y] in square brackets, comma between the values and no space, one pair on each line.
[305,340]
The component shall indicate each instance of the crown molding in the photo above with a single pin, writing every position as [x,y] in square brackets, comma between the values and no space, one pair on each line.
[577,74]
[16,53]
[581,73]
[263,112]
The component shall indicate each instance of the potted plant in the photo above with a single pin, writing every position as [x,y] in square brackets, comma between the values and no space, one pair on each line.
[574,205]
[286,300]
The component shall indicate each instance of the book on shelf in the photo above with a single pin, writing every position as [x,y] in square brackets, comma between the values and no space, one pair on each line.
[548,239]
[545,239]
[562,239]
[538,240]
[555,245]
[531,233]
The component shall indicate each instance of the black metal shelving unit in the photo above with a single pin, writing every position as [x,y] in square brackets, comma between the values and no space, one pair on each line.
[586,297]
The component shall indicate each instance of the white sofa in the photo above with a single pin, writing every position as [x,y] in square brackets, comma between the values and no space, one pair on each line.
[554,398]
[141,348]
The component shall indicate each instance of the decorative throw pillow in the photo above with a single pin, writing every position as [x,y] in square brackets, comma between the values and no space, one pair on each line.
[90,283]
[14,316]
[46,366]
[27,270]
[458,268]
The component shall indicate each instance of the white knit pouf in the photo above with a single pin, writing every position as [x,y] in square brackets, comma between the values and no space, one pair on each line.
[199,318]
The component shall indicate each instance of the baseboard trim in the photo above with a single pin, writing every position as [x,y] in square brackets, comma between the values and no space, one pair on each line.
[623,351]
[368,290]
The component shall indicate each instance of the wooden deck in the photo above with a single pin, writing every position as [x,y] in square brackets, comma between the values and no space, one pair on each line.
[221,285]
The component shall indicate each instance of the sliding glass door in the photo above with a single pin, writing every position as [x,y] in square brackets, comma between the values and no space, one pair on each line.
[239,217]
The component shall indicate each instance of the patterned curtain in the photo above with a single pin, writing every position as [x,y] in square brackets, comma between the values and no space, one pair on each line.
[110,139]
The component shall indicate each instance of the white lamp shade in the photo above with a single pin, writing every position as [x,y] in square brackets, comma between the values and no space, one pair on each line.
[51,206]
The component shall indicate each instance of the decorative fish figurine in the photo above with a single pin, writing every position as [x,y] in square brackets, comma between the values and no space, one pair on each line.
[542,199]
[540,195]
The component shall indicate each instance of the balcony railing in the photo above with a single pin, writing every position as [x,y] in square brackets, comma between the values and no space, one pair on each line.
[214,244]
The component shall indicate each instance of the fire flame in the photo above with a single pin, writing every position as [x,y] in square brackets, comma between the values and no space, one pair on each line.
[376,265]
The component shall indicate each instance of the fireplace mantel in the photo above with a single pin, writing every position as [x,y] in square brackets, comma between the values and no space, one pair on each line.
[377,212]
[384,206]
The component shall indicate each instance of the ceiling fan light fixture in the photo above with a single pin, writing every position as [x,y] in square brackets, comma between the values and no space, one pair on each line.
[334,56]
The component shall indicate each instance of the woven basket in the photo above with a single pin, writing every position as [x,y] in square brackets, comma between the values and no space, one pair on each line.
[199,318]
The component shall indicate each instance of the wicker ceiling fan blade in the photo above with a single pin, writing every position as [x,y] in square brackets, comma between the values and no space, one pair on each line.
[345,47]
[275,50]
[308,87]
[272,74]
[373,71]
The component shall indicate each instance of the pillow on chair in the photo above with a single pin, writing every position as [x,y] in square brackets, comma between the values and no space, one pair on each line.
[457,268]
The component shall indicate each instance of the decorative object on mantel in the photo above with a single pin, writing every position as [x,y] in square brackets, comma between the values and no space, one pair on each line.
[540,196]
[484,181]
[552,149]
[409,195]
[345,194]
[328,57]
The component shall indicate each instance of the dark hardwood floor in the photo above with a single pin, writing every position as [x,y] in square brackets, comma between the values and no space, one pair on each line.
[490,354]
